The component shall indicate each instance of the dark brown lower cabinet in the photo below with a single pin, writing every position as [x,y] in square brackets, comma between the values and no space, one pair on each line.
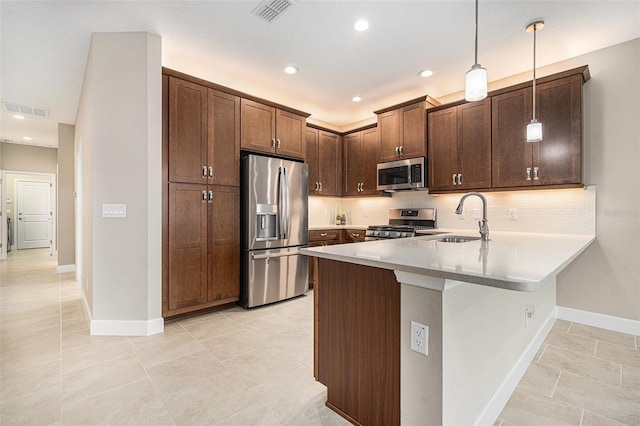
[203,257]
[357,320]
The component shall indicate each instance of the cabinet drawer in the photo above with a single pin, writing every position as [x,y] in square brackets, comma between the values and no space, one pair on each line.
[331,236]
[353,235]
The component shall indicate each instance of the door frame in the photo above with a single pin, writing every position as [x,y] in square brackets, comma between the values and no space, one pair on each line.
[19,195]
[38,176]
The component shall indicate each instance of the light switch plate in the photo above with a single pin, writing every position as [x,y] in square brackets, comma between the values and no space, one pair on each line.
[114,210]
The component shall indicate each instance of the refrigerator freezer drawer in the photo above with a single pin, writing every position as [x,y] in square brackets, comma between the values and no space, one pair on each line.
[274,275]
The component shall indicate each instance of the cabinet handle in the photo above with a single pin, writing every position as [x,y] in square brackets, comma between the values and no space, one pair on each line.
[453,179]
[459,178]
[535,173]
[210,171]
[323,234]
[528,173]
[211,196]
[397,150]
[355,235]
[401,149]
[273,143]
[320,187]
[278,143]
[204,172]
[204,196]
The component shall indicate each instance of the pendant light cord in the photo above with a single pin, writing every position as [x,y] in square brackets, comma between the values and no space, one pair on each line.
[476,57]
[534,71]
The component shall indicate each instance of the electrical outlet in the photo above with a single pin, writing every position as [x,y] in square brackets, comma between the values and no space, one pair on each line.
[529,314]
[513,214]
[420,338]
[476,213]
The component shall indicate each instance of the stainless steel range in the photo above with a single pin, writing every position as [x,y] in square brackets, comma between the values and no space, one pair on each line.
[403,223]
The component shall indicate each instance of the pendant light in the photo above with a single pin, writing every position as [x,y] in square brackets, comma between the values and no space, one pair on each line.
[534,129]
[476,81]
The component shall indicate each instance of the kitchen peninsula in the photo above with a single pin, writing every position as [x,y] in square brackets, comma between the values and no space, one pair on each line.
[486,305]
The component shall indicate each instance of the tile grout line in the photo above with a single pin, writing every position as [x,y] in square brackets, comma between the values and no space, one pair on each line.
[569,329]
[60,353]
[581,417]
[164,404]
[556,385]
[620,376]
[595,350]
[542,353]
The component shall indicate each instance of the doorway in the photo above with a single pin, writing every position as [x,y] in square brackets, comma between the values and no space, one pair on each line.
[33,214]
[34,195]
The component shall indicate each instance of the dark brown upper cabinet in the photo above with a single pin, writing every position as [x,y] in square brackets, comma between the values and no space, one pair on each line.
[460,147]
[324,157]
[557,159]
[402,130]
[204,135]
[272,130]
[359,164]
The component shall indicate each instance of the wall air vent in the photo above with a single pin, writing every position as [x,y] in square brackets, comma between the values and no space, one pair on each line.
[269,10]
[24,109]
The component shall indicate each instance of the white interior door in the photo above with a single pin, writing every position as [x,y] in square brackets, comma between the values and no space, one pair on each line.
[33,214]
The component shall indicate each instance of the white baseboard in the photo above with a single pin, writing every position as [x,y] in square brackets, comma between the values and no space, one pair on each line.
[66,268]
[127,327]
[500,398]
[623,325]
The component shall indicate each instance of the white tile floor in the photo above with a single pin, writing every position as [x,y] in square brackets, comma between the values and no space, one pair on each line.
[235,367]
[240,367]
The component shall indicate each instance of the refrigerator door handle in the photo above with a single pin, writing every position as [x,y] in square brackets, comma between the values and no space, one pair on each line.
[268,256]
[287,213]
[281,207]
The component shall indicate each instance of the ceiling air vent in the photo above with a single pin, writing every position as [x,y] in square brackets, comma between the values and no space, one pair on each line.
[271,9]
[24,109]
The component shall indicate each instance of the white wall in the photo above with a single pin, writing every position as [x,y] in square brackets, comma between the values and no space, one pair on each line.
[118,135]
[66,216]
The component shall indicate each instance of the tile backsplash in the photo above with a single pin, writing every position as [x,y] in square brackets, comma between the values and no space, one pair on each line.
[554,211]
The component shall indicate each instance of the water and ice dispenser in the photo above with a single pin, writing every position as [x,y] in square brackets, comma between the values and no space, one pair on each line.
[267,219]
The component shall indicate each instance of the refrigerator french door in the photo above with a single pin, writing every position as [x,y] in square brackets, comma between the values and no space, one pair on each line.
[274,229]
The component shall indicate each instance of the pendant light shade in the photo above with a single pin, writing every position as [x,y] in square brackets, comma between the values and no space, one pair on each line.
[476,81]
[534,129]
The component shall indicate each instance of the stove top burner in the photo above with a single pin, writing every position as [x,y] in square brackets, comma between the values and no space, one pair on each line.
[403,223]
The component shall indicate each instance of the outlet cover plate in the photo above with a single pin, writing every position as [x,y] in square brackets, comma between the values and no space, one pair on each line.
[420,338]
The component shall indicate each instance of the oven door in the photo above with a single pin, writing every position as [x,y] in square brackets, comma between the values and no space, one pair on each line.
[401,175]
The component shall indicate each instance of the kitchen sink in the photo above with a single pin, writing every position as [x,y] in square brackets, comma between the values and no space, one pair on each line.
[457,239]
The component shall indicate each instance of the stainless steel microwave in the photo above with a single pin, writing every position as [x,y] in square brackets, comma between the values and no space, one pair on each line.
[402,175]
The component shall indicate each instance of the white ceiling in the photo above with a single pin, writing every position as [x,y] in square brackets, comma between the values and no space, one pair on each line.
[45,46]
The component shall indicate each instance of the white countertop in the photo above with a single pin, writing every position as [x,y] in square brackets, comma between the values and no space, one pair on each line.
[317,227]
[510,260]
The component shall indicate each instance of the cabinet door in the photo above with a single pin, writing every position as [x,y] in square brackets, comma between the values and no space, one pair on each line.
[187,132]
[224,138]
[258,124]
[311,137]
[352,167]
[370,146]
[511,154]
[224,244]
[290,134]
[558,155]
[443,149]
[414,130]
[187,246]
[390,125]
[329,163]
[474,145]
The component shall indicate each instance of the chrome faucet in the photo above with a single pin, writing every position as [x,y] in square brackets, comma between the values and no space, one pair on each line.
[484,228]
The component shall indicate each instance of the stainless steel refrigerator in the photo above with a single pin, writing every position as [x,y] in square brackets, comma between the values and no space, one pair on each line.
[274,229]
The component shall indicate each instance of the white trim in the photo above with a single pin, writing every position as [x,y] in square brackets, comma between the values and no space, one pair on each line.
[127,327]
[501,396]
[65,268]
[608,322]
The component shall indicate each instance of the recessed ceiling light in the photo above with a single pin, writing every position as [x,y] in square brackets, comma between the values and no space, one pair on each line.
[27,138]
[361,25]
[19,117]
[356,99]
[290,69]
[426,73]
